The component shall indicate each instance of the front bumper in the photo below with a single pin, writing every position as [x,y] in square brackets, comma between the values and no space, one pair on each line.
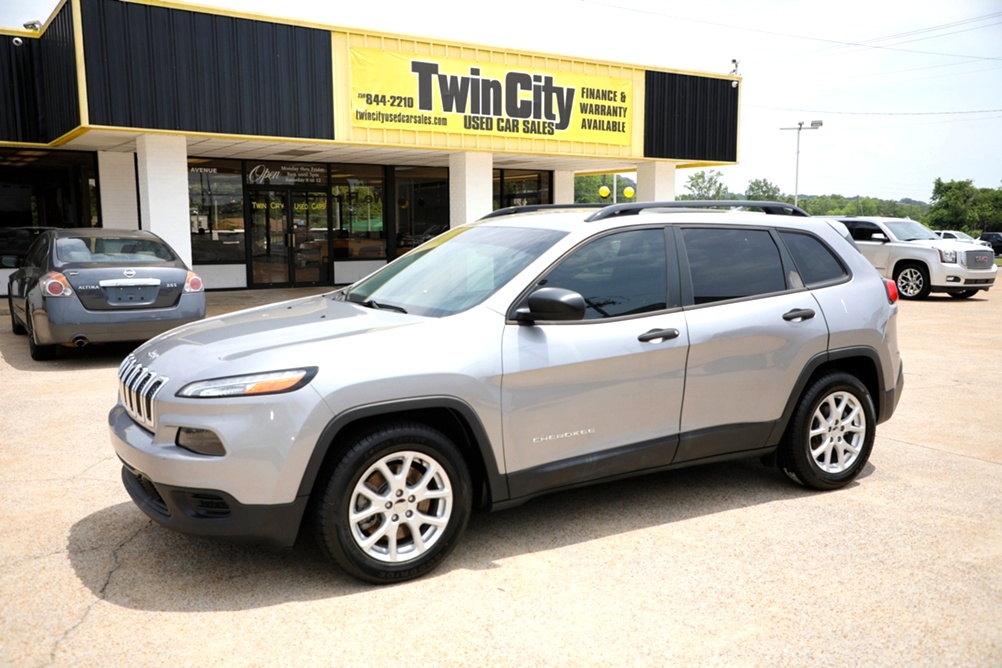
[212,513]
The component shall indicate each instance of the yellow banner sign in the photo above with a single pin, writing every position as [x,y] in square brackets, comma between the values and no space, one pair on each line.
[405,91]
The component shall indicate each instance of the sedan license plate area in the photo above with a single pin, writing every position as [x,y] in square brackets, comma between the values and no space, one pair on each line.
[134,292]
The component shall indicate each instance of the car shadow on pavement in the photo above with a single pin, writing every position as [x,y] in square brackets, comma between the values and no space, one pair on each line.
[14,350]
[128,560]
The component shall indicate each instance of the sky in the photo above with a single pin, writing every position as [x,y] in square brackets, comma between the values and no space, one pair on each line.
[908,91]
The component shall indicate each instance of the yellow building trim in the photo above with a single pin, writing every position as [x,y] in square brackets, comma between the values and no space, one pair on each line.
[78,45]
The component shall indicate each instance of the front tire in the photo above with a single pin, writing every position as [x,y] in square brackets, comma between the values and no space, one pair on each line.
[396,504]
[831,434]
[912,280]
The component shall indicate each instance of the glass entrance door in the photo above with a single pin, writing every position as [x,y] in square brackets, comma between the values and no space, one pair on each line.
[289,238]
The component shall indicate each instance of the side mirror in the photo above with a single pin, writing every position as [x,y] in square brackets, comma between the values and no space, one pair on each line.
[879,236]
[9,262]
[553,304]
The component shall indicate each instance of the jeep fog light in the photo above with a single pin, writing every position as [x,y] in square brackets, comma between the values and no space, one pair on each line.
[200,441]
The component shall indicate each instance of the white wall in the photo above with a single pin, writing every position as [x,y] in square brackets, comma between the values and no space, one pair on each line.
[117,183]
[471,187]
[162,167]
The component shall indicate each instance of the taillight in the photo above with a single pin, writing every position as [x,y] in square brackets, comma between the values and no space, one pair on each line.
[193,283]
[54,284]
[892,290]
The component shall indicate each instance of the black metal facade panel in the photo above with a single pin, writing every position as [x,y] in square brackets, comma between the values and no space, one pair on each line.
[690,118]
[18,102]
[58,96]
[170,69]
[38,84]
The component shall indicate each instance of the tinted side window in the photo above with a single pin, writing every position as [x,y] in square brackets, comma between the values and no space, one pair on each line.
[730,263]
[814,261]
[618,274]
[863,231]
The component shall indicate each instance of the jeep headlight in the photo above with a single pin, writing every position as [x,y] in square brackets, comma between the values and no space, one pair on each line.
[271,382]
[950,257]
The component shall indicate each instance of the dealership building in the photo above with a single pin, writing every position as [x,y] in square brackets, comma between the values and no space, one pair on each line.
[278,153]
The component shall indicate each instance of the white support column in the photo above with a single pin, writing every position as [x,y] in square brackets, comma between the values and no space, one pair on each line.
[162,167]
[655,182]
[117,185]
[563,187]
[471,187]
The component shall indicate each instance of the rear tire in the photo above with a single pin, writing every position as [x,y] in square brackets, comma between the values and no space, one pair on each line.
[39,353]
[15,324]
[831,434]
[912,280]
[396,504]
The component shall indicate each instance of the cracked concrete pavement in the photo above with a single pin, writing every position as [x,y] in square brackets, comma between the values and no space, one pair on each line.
[720,565]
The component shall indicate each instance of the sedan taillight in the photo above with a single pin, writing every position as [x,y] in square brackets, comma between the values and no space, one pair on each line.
[54,284]
[193,283]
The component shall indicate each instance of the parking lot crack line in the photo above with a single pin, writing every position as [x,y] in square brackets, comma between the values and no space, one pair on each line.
[101,591]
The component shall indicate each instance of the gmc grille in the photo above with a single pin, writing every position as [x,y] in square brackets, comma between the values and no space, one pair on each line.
[137,387]
[979,259]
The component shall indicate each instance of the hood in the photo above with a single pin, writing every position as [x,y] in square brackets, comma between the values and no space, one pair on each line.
[286,326]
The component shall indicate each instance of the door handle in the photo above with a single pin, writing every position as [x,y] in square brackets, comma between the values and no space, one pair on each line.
[799,314]
[655,334]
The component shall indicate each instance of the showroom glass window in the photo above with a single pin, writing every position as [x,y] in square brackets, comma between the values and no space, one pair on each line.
[422,205]
[216,211]
[520,187]
[359,226]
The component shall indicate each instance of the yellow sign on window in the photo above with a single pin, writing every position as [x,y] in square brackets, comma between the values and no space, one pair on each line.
[406,91]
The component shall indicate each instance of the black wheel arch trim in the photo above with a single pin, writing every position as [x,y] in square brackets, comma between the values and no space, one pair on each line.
[884,408]
[497,483]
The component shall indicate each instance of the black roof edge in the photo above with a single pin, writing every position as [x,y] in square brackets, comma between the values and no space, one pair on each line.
[633,208]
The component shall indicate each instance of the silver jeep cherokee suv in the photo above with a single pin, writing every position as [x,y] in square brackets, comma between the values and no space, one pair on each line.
[531,351]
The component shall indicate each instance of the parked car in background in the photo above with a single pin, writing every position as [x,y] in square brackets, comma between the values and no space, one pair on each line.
[994,239]
[919,261]
[957,235]
[537,349]
[93,285]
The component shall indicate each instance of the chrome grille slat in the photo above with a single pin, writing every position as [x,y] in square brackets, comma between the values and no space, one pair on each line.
[979,259]
[138,387]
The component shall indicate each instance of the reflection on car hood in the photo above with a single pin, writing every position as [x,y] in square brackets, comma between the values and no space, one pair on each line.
[286,325]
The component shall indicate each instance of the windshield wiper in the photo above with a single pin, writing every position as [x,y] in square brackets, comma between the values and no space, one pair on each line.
[372,303]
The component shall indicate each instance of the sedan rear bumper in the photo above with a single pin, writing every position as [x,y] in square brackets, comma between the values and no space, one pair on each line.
[65,320]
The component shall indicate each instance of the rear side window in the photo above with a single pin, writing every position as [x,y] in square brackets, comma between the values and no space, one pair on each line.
[816,264]
[732,263]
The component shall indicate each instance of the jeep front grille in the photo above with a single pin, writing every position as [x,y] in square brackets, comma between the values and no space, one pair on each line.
[979,259]
[137,387]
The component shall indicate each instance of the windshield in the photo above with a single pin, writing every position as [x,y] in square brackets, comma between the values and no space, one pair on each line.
[454,271]
[964,236]
[909,230]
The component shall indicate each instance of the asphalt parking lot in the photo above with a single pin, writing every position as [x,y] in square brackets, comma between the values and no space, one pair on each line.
[720,565]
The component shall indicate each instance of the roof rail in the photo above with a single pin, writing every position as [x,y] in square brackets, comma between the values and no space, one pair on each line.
[633,208]
[525,208]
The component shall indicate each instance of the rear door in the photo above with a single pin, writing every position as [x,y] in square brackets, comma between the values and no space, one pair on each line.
[752,330]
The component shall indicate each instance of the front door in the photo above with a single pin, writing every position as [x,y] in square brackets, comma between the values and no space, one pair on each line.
[289,238]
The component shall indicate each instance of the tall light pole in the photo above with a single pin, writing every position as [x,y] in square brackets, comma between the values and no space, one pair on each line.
[796,179]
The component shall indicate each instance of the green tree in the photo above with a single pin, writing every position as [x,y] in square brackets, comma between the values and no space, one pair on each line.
[959,205]
[706,185]
[763,190]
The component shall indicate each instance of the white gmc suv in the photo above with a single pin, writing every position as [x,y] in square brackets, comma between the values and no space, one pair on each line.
[920,262]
